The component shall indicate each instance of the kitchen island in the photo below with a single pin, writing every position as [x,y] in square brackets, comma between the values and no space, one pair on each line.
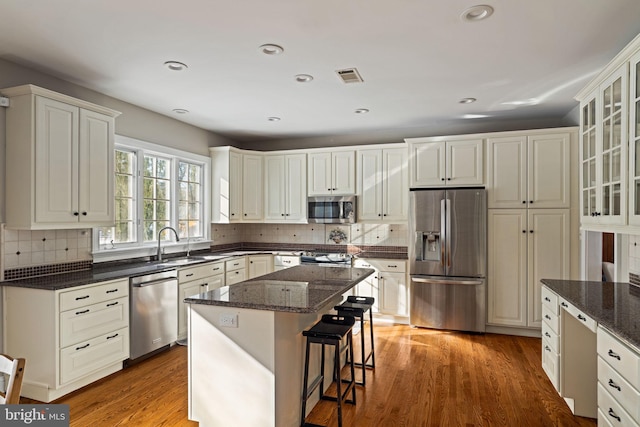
[246,349]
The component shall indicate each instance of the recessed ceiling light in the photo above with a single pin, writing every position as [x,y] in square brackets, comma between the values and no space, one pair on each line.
[180,111]
[273,119]
[361,111]
[467,100]
[175,65]
[304,78]
[477,13]
[530,101]
[474,116]
[271,49]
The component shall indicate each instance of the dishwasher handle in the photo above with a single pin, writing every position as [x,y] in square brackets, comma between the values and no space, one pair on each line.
[447,282]
[153,282]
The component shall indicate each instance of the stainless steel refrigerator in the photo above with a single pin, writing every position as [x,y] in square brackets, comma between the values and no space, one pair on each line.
[448,258]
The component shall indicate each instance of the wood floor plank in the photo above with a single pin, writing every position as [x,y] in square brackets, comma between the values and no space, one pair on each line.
[423,378]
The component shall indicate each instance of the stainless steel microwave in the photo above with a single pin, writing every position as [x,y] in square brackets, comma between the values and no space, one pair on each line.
[331,209]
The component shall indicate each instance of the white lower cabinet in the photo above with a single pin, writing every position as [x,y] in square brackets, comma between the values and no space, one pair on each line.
[388,285]
[196,280]
[259,265]
[618,381]
[70,337]
[550,337]
[235,270]
[281,262]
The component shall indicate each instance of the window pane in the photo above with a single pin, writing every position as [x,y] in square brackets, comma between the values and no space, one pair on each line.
[190,194]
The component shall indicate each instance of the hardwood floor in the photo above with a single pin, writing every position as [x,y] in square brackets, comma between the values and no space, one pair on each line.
[422,378]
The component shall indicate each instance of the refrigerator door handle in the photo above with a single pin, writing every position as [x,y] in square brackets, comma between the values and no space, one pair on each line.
[447,282]
[443,232]
[448,231]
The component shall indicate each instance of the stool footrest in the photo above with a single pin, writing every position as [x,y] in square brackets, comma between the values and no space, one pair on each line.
[314,385]
[344,393]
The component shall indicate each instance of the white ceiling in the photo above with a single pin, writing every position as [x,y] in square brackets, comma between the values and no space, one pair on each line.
[418,58]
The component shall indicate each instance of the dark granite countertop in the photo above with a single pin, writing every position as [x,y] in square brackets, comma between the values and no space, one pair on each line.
[301,289]
[616,306]
[382,255]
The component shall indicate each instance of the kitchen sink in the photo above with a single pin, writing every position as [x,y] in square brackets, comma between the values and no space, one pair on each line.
[182,261]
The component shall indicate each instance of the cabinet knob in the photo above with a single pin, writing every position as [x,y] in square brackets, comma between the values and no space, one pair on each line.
[334,189]
[531,201]
[524,202]
[245,214]
[524,231]
[76,214]
[379,214]
[441,179]
[530,231]
[84,213]
[384,214]
[328,189]
[281,214]
[448,179]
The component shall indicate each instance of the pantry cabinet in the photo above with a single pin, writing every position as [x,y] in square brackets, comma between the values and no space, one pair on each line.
[70,337]
[524,246]
[383,185]
[529,170]
[437,162]
[331,173]
[59,161]
[237,185]
[285,191]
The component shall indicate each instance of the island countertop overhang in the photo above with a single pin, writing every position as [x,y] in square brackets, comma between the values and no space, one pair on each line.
[300,289]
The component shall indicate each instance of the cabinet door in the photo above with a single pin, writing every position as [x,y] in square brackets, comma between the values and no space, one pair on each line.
[96,168]
[507,172]
[274,188]
[507,267]
[465,163]
[235,187]
[370,184]
[186,290]
[634,142]
[344,172]
[548,254]
[56,163]
[252,185]
[259,265]
[427,164]
[393,293]
[319,173]
[548,171]
[395,185]
[295,188]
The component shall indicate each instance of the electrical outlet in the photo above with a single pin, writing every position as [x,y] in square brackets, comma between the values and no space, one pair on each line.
[4,101]
[229,320]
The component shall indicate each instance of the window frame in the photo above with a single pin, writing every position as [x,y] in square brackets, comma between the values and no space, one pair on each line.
[106,252]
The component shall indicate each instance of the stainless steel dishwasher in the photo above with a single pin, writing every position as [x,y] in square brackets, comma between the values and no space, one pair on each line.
[153,313]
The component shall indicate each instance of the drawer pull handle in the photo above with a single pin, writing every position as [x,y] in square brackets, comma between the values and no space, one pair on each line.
[216,268]
[614,385]
[189,274]
[84,297]
[83,311]
[112,304]
[112,336]
[547,299]
[581,317]
[614,415]
[392,266]
[546,347]
[564,304]
[546,316]
[287,262]
[83,346]
[110,291]
[613,354]
[547,334]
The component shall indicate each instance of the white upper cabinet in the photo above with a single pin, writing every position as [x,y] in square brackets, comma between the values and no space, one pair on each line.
[383,185]
[286,188]
[445,163]
[237,185]
[60,161]
[331,173]
[634,141]
[529,170]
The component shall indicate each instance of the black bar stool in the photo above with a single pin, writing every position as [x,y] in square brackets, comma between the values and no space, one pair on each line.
[330,330]
[356,306]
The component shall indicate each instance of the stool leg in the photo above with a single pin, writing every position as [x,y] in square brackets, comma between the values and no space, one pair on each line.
[364,369]
[321,393]
[353,370]
[336,369]
[373,354]
[304,387]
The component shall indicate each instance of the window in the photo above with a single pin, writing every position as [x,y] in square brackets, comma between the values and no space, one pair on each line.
[155,187]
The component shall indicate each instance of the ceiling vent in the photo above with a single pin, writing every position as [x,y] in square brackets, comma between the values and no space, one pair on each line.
[350,75]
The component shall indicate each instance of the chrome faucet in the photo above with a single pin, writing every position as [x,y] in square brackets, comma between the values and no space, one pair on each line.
[159,233]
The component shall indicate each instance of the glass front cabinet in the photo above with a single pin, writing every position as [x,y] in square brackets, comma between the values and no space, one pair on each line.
[634,141]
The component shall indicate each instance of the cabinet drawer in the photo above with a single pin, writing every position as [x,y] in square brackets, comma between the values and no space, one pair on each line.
[579,315]
[612,411]
[92,355]
[550,319]
[235,264]
[627,396]
[285,261]
[550,300]
[87,322]
[235,276]
[550,337]
[200,271]
[387,265]
[93,294]
[551,364]
[622,358]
